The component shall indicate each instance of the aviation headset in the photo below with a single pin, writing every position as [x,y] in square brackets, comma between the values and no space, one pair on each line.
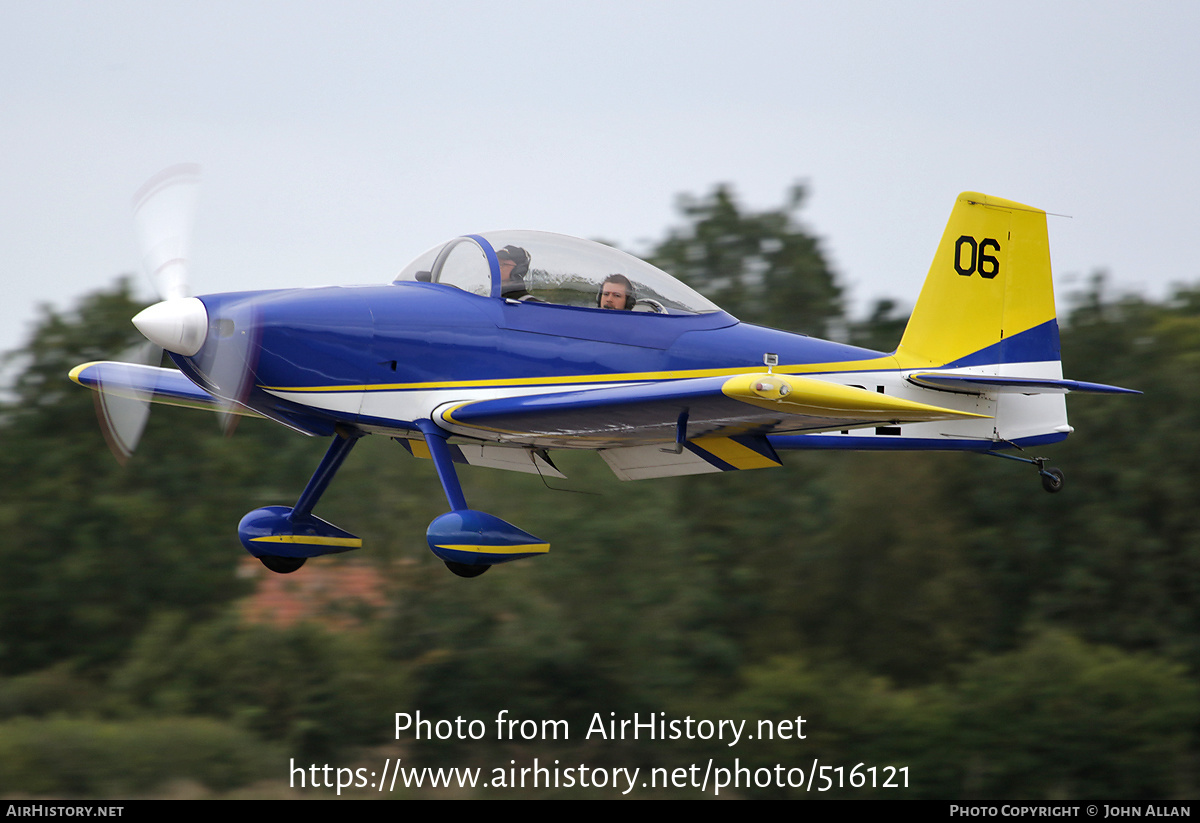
[630,291]
[519,257]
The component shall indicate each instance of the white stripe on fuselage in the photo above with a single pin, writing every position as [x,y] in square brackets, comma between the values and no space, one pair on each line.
[1010,416]
[406,405]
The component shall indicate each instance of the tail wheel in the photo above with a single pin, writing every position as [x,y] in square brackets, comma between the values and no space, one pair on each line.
[1052,480]
[282,565]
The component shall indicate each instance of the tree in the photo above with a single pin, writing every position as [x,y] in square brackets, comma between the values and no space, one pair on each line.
[762,267]
[883,327]
[1060,718]
[91,548]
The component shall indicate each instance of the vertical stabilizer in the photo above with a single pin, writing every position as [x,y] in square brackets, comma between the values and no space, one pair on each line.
[988,298]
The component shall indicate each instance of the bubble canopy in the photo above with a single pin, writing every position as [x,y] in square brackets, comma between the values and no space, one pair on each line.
[542,267]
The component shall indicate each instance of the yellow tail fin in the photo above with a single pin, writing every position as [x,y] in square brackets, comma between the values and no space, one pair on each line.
[988,298]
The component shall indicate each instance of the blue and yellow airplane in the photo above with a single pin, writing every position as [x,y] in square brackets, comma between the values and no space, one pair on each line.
[495,349]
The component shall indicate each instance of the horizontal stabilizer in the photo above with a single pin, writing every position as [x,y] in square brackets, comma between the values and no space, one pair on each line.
[979,383]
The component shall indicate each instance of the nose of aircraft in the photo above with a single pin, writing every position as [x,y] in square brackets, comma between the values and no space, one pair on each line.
[178,325]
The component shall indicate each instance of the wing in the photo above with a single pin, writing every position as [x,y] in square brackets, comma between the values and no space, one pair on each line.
[156,384]
[680,411]
[714,423]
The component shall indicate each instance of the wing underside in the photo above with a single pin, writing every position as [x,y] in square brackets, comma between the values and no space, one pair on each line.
[682,411]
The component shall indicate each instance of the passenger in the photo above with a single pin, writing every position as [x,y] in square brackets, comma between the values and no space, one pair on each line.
[514,265]
[616,293]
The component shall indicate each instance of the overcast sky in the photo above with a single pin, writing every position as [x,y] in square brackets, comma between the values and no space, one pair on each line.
[340,140]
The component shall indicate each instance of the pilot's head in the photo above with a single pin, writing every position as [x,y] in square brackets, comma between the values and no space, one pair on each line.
[514,263]
[616,293]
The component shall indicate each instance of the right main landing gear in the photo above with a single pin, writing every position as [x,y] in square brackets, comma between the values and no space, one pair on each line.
[463,570]
[283,537]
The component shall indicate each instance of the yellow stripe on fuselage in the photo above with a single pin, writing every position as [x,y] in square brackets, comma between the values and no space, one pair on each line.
[886,363]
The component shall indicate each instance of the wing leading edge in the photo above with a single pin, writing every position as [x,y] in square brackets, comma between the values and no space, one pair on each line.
[153,383]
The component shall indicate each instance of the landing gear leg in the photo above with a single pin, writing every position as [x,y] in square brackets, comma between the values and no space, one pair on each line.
[282,538]
[1052,478]
[470,542]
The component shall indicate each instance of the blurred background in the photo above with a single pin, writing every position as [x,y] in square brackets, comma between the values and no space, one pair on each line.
[939,612]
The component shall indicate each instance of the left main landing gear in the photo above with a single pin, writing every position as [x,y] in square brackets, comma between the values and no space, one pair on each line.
[470,542]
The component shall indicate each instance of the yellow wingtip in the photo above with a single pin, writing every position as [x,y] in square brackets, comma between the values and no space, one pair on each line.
[78,370]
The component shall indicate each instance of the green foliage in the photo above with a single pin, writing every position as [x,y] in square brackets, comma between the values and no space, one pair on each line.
[91,548]
[1130,562]
[615,614]
[1055,719]
[50,691]
[761,267]
[882,328]
[303,686]
[890,582]
[1062,719]
[850,718]
[87,758]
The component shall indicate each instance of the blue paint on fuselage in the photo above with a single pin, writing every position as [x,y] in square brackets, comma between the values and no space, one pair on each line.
[402,334]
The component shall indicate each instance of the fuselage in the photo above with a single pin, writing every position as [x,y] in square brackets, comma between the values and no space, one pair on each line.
[381,357]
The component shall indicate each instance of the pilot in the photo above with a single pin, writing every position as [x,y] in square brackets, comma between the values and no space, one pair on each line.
[616,293]
[514,265]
